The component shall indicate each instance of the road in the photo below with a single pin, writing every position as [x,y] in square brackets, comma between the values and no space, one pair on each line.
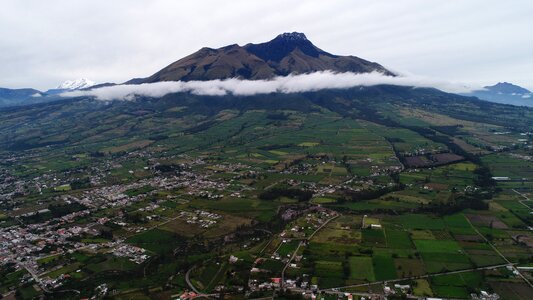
[298,248]
[189,283]
[321,226]
[35,277]
[525,197]
[193,288]
[499,253]
[421,276]
[288,263]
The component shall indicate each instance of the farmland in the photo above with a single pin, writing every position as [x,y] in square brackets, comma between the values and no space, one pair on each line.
[233,196]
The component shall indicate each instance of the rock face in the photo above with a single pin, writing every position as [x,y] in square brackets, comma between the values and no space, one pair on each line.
[288,53]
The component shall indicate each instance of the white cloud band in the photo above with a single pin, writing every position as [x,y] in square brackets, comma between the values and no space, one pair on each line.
[287,84]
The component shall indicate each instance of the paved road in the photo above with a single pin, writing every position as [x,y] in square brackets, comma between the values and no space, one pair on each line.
[421,276]
[193,288]
[35,277]
[189,283]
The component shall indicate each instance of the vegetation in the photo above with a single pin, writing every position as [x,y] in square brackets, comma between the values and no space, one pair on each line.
[334,188]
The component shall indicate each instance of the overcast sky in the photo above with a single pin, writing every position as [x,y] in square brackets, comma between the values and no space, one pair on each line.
[43,43]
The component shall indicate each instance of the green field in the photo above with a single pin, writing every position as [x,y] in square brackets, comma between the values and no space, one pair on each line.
[156,240]
[361,268]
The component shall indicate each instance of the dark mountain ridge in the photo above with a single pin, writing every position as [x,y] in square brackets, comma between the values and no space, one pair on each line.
[288,53]
[72,122]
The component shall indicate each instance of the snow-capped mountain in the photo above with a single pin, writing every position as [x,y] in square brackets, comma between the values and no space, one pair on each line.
[76,84]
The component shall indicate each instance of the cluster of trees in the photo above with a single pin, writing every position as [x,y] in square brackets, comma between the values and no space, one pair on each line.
[167,168]
[81,183]
[277,192]
[369,194]
[277,116]
[483,177]
[59,210]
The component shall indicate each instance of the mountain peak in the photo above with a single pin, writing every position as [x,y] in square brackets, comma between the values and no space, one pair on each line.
[507,88]
[76,84]
[288,53]
[292,36]
[281,46]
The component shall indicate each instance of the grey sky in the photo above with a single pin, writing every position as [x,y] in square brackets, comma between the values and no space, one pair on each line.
[43,43]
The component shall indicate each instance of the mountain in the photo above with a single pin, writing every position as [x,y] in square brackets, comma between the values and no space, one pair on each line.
[182,181]
[507,88]
[76,84]
[9,97]
[21,97]
[504,92]
[288,53]
[70,85]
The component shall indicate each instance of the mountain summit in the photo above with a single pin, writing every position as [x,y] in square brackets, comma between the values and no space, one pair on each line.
[288,53]
[505,92]
[76,84]
[507,88]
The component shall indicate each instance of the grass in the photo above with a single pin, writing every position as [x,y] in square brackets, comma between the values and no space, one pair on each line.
[63,270]
[308,144]
[247,137]
[286,249]
[422,288]
[361,268]
[456,221]
[459,292]
[274,266]
[28,292]
[373,237]
[422,235]
[63,188]
[157,241]
[322,200]
[441,255]
[11,279]
[407,267]
[398,239]
[383,267]
[411,221]
[325,268]
[244,207]
[113,263]
[48,259]
[439,246]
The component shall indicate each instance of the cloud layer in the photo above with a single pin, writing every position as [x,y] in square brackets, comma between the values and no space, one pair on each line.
[481,41]
[288,84]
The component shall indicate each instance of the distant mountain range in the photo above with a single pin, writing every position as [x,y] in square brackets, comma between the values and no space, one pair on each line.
[17,97]
[506,93]
[288,53]
[9,97]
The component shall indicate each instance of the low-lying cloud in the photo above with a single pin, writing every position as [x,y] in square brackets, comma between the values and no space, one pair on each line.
[287,84]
